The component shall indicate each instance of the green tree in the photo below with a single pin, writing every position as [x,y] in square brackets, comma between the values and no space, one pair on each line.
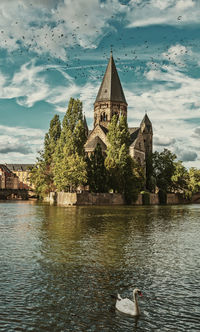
[163,169]
[39,178]
[194,181]
[180,178]
[41,175]
[123,177]
[69,160]
[97,173]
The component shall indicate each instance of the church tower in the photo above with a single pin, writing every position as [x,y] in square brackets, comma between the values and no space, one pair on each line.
[110,99]
[147,133]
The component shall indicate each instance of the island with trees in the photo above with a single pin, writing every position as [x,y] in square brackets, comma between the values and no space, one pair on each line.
[64,166]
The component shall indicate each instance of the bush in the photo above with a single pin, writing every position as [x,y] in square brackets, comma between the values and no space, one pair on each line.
[145,197]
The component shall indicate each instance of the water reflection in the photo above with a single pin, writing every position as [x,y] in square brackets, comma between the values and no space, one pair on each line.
[60,267]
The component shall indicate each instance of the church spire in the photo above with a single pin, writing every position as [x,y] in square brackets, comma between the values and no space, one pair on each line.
[111,89]
[110,99]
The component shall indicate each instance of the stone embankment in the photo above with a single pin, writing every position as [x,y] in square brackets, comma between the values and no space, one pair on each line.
[86,198]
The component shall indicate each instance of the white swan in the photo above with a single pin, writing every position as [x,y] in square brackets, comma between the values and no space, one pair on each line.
[127,306]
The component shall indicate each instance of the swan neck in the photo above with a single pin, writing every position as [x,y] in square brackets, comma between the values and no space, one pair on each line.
[137,310]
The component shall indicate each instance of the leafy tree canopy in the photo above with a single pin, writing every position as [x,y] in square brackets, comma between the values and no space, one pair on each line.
[97,173]
[120,165]
[69,158]
[163,168]
[41,175]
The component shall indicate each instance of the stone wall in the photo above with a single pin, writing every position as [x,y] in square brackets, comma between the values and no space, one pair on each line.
[173,199]
[63,198]
[139,200]
[86,198]
[154,200]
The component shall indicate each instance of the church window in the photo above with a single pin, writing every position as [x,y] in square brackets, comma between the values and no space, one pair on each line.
[105,90]
[104,117]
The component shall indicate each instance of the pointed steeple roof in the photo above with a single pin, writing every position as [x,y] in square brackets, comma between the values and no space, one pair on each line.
[111,89]
[146,120]
[146,124]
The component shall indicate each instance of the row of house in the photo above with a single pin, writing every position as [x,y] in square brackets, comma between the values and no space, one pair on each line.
[15,176]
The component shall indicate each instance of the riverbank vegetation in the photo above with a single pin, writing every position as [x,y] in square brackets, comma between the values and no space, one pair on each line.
[62,164]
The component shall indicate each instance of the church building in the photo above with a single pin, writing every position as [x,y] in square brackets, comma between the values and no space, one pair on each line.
[111,100]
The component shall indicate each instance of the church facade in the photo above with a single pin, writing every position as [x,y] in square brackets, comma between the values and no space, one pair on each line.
[111,100]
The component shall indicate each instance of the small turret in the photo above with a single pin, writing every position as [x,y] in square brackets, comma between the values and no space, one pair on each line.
[147,132]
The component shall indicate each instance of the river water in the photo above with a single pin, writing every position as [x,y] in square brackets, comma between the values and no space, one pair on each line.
[60,266]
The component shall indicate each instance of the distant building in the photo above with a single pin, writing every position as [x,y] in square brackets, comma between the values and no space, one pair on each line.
[110,100]
[8,180]
[22,171]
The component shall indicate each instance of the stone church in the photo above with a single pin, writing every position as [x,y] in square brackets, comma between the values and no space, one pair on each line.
[111,100]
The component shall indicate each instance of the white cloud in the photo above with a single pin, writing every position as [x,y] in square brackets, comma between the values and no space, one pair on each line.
[12,144]
[171,99]
[185,155]
[20,131]
[197,132]
[26,85]
[171,12]
[185,4]
[176,54]
[29,85]
[18,144]
[51,27]
[163,140]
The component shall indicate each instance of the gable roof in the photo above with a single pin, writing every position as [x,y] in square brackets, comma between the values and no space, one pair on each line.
[104,129]
[91,145]
[111,89]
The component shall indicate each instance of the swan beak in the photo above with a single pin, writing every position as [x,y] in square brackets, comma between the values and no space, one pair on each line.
[140,294]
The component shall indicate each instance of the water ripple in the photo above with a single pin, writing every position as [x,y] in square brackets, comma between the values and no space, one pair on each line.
[60,266]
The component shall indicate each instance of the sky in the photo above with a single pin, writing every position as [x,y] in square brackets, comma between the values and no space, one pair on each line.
[51,50]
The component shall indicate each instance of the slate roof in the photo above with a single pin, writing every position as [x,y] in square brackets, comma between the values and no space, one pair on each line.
[105,130]
[133,134]
[5,169]
[19,167]
[111,89]
[93,143]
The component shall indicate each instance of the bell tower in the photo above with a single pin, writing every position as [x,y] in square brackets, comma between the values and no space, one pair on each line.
[110,99]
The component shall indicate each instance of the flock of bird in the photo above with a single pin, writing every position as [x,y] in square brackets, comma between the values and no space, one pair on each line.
[127,59]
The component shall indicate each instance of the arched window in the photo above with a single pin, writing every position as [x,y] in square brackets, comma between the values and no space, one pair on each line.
[103,116]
